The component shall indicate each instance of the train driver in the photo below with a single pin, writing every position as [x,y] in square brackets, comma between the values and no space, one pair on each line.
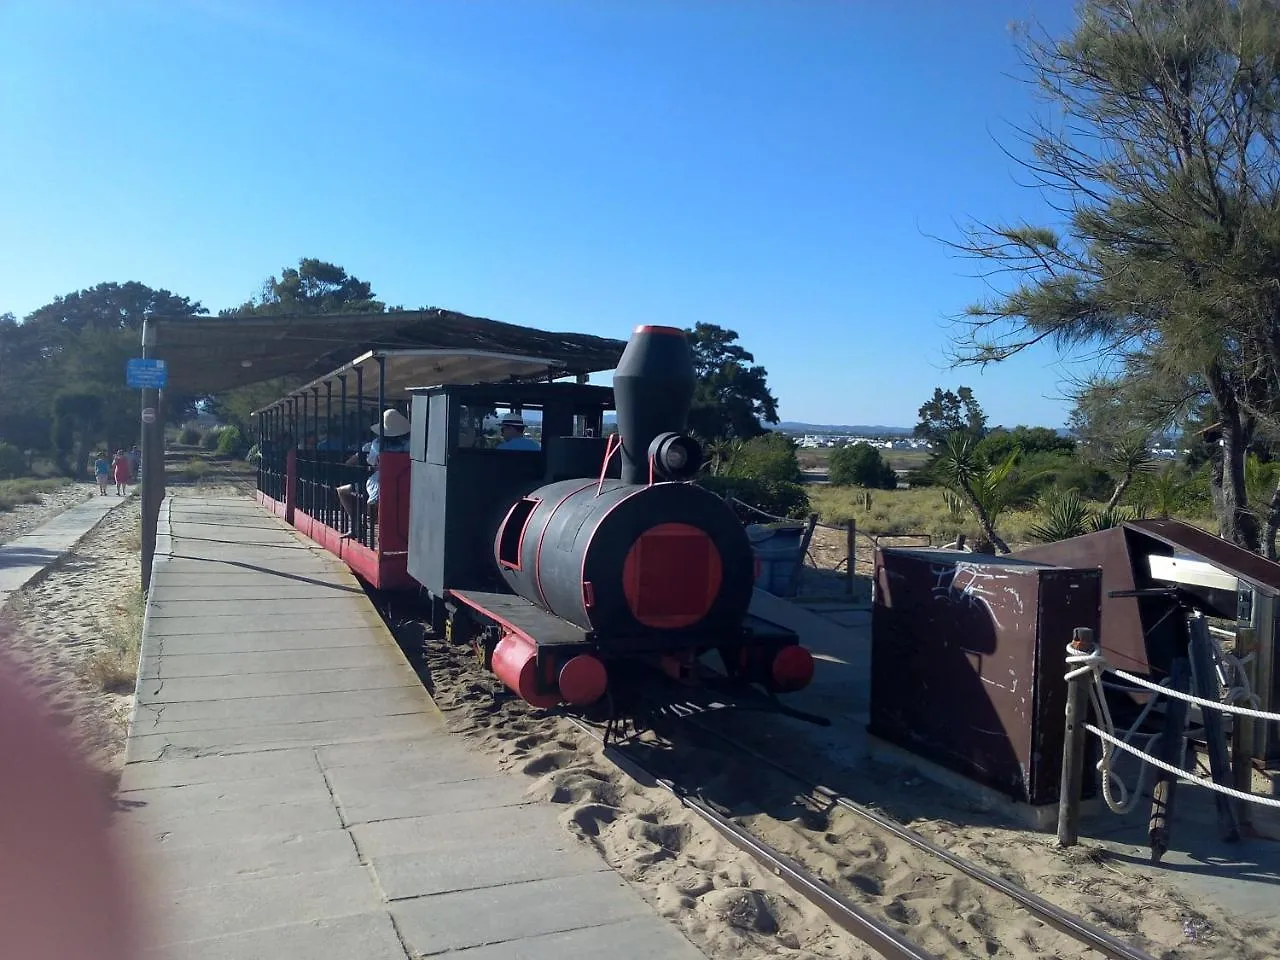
[513,437]
[395,439]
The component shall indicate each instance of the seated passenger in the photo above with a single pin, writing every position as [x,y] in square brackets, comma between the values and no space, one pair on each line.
[395,433]
[513,437]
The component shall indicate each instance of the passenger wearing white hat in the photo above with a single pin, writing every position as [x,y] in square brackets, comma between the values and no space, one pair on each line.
[513,437]
[395,439]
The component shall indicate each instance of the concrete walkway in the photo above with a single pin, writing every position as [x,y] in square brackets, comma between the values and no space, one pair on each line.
[291,792]
[25,557]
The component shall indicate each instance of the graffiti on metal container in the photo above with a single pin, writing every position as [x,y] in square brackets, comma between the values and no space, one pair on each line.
[975,587]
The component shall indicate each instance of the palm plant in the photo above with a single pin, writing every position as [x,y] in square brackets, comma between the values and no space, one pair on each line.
[987,490]
[1064,515]
[1128,457]
[1166,492]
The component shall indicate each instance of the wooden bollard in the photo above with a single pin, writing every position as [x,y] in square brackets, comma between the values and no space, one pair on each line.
[850,543]
[1073,743]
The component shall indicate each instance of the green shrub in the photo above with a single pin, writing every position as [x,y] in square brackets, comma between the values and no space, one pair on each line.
[230,442]
[189,437]
[779,498]
[770,458]
[860,465]
[210,440]
[12,462]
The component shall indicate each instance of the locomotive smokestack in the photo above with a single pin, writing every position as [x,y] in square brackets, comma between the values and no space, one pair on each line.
[652,391]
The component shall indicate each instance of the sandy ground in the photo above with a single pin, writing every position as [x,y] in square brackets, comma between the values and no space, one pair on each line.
[25,517]
[731,908]
[79,610]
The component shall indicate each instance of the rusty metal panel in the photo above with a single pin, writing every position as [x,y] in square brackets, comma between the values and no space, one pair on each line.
[1258,571]
[1122,632]
[968,659]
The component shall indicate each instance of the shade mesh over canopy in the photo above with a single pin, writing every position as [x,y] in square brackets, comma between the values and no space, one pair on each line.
[213,354]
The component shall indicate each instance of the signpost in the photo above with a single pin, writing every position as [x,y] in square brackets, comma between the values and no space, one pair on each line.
[146,373]
[150,375]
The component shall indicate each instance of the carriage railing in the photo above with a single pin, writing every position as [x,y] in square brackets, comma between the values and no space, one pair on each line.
[273,472]
[320,474]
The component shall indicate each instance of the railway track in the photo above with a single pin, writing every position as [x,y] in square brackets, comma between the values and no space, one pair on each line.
[857,920]
[838,900]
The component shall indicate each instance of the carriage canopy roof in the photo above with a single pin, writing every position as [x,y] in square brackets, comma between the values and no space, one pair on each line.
[405,369]
[212,354]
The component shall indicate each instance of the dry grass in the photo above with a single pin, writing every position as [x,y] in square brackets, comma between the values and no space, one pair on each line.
[924,511]
[114,669]
[195,468]
[27,490]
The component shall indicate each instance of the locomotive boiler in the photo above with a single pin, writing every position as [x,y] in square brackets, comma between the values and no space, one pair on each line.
[646,566]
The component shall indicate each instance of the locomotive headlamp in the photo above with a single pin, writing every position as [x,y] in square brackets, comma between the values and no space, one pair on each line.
[675,456]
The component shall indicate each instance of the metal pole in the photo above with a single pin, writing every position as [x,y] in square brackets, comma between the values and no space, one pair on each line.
[1173,738]
[327,467]
[1073,744]
[341,515]
[1205,685]
[152,461]
[382,403]
[359,514]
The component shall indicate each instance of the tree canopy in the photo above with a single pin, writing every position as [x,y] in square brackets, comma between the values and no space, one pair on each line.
[947,412]
[1164,161]
[732,395]
[314,286]
[860,465]
[69,356]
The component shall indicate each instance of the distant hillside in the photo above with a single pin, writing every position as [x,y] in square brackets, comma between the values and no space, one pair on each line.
[858,429]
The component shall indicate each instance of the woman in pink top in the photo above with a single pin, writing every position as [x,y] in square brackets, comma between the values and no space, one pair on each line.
[120,472]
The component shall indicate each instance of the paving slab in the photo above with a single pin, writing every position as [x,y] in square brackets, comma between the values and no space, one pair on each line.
[513,912]
[267,661]
[231,713]
[368,936]
[292,791]
[256,685]
[25,558]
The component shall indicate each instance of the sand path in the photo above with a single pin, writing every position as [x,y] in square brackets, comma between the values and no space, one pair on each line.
[69,630]
[25,517]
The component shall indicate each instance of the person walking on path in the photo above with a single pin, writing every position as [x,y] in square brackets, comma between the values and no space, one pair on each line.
[135,461]
[120,470]
[102,472]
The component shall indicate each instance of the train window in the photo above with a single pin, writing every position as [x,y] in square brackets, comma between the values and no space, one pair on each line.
[471,419]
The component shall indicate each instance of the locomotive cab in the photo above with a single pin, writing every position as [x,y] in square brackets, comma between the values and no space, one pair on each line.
[463,488]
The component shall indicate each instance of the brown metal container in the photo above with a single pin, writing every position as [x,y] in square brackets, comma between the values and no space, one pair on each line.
[968,662]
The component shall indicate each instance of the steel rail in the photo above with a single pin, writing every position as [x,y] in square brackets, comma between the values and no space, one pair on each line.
[1062,920]
[878,936]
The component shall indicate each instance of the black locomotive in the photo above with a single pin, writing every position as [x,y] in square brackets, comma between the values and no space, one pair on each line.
[574,566]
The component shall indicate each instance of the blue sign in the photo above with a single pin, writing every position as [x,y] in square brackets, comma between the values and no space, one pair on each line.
[145,373]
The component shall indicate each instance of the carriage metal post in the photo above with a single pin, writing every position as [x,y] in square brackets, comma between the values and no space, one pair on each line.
[340,516]
[328,464]
[359,517]
[316,501]
[382,405]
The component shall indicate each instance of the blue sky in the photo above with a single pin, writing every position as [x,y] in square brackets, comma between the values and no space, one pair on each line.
[774,167]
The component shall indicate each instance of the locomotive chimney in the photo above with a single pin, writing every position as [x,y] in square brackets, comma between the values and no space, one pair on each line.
[652,391]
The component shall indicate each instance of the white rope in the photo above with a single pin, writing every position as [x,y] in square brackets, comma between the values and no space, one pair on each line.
[1191,698]
[1182,774]
[1096,664]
